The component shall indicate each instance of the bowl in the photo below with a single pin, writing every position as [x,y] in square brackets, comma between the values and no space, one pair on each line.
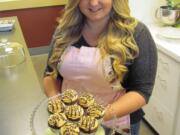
[167,15]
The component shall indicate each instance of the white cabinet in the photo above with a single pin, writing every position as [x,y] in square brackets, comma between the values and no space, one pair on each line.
[162,111]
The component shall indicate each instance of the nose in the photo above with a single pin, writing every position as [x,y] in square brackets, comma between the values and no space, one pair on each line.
[94,2]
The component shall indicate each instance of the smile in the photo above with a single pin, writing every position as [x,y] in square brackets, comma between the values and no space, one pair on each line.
[94,10]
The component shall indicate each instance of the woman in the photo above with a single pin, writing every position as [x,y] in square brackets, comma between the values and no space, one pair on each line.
[99,48]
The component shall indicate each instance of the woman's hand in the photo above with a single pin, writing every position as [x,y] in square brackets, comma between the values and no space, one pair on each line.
[126,104]
[109,113]
[52,86]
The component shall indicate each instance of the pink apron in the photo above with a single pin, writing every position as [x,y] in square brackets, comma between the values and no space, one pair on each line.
[82,70]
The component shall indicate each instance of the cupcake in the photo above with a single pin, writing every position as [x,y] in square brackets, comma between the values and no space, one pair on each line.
[86,100]
[70,129]
[57,120]
[55,105]
[74,112]
[88,124]
[69,96]
[96,110]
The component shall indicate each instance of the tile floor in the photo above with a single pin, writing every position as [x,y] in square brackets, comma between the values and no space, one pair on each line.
[39,62]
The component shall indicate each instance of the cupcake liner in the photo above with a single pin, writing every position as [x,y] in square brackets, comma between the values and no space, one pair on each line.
[93,133]
[99,131]
[82,133]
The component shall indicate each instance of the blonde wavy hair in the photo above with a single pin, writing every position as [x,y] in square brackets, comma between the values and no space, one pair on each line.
[117,40]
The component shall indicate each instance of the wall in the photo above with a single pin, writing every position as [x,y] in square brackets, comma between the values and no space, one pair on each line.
[37,24]
[144,10]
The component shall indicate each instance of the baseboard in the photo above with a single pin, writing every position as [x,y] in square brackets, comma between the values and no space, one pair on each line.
[149,125]
[38,50]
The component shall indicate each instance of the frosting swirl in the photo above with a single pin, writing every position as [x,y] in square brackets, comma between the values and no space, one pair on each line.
[96,110]
[57,120]
[70,129]
[88,124]
[55,105]
[69,96]
[86,100]
[74,112]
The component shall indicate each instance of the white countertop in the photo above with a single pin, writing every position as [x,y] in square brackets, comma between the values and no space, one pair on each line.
[167,45]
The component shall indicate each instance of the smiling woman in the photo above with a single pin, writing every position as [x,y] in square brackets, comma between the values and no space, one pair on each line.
[22,4]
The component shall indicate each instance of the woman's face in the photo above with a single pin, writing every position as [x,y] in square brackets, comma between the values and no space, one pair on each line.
[95,10]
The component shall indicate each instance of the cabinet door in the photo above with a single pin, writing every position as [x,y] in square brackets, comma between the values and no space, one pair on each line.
[158,117]
[167,82]
[162,107]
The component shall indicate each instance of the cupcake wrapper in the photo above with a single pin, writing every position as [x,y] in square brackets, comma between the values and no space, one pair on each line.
[82,133]
[99,131]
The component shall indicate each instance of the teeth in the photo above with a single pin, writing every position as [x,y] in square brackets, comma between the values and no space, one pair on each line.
[94,10]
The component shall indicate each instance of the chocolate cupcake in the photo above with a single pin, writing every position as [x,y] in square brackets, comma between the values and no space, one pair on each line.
[69,96]
[74,112]
[88,124]
[57,120]
[55,105]
[70,129]
[96,110]
[86,100]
